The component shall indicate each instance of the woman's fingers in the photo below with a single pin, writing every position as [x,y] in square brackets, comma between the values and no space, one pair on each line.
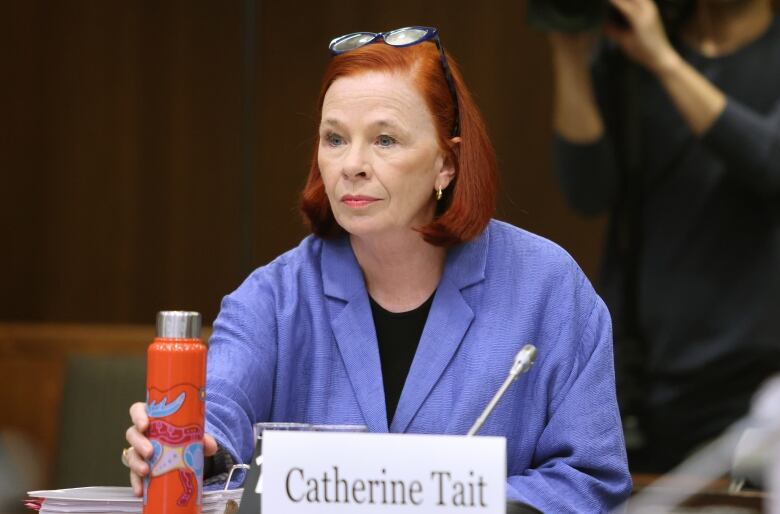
[138,469]
[209,445]
[136,482]
[139,417]
[137,463]
[141,448]
[135,434]
[139,442]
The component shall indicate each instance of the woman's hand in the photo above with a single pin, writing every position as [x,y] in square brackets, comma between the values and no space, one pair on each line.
[141,449]
[644,39]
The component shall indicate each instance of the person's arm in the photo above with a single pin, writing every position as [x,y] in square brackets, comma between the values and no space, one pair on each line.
[695,97]
[645,41]
[239,386]
[579,462]
[748,142]
[583,155]
[576,117]
[241,367]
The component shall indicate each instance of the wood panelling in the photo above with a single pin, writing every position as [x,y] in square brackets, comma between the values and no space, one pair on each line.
[123,158]
[131,127]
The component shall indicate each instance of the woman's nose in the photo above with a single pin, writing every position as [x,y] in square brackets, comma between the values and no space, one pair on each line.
[356,163]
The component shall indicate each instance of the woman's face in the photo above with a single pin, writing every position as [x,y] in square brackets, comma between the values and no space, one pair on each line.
[379,155]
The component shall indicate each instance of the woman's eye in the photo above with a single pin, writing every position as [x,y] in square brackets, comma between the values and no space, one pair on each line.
[334,139]
[385,140]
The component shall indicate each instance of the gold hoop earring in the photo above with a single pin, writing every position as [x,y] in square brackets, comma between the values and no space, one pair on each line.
[438,194]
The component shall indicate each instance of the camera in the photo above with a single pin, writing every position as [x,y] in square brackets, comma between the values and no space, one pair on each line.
[584,15]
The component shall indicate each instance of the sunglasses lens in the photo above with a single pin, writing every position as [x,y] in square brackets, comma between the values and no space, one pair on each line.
[351,42]
[403,37]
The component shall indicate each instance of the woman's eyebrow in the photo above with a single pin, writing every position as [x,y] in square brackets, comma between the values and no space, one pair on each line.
[331,121]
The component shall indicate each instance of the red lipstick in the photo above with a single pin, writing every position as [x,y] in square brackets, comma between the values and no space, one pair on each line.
[357,201]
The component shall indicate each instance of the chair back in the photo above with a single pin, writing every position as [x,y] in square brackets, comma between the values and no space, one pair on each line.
[99,390]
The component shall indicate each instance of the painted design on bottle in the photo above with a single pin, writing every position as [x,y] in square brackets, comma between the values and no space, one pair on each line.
[176,449]
[175,403]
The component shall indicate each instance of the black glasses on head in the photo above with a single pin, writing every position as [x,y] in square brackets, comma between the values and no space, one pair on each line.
[406,36]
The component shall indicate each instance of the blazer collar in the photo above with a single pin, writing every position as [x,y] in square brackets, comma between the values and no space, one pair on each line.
[342,277]
[353,327]
[448,321]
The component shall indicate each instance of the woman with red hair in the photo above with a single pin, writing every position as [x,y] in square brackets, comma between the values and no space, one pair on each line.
[405,308]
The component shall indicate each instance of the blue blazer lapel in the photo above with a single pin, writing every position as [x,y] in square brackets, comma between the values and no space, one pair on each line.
[448,321]
[353,328]
[445,328]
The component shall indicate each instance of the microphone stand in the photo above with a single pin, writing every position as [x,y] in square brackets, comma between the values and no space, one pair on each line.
[522,363]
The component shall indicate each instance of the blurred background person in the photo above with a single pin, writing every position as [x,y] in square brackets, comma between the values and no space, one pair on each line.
[675,132]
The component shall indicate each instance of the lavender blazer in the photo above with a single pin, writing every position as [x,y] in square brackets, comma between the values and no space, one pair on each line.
[296,342]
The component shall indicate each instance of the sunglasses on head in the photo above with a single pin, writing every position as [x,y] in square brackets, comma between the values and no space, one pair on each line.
[406,36]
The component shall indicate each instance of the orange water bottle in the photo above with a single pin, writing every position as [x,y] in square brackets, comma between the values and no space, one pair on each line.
[175,403]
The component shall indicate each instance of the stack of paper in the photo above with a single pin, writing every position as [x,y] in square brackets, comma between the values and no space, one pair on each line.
[100,500]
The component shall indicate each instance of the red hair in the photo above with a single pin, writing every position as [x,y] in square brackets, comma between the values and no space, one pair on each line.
[469,201]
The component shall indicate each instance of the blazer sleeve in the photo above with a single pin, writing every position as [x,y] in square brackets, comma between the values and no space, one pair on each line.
[580,462]
[241,368]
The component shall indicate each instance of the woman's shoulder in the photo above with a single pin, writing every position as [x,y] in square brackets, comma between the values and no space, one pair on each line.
[534,263]
[523,247]
[544,278]
[281,272]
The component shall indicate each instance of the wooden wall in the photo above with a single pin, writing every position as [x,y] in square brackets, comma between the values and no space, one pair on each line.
[152,152]
[123,158]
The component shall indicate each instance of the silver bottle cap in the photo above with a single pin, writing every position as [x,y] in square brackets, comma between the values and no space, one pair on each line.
[178,324]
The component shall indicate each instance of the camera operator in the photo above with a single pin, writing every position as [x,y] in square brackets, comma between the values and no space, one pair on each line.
[677,137]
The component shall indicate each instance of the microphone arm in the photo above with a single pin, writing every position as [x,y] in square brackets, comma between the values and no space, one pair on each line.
[522,363]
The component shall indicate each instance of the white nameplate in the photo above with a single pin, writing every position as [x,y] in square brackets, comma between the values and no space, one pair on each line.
[389,473]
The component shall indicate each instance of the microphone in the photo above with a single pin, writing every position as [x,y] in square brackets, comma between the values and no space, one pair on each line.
[522,363]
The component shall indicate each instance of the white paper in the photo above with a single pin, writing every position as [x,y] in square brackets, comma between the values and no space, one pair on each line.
[121,500]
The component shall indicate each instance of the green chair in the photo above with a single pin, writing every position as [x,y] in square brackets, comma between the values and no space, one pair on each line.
[99,390]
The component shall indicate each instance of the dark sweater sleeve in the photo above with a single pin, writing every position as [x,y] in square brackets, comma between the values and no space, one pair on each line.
[587,172]
[749,144]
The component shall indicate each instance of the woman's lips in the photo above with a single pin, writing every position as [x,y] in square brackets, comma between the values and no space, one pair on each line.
[357,201]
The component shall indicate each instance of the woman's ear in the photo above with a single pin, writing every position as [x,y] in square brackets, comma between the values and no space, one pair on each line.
[447,172]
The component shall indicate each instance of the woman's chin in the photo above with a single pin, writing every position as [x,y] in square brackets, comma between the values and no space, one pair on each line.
[362,225]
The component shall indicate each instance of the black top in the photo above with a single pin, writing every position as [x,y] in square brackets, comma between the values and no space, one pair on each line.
[708,265]
[398,334]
